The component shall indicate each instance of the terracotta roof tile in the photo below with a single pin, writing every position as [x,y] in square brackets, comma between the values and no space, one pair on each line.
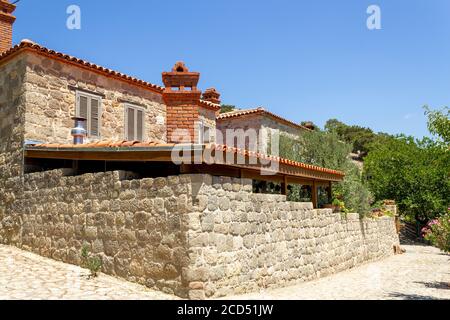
[274,158]
[209,105]
[29,45]
[260,111]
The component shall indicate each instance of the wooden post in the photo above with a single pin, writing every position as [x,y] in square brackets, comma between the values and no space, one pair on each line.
[330,192]
[284,187]
[314,194]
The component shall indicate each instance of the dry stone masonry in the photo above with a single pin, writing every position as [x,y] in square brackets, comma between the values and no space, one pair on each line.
[195,236]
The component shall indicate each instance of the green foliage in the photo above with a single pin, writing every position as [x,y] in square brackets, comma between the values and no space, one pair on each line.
[413,173]
[325,149]
[310,124]
[438,232]
[359,138]
[227,108]
[439,123]
[93,263]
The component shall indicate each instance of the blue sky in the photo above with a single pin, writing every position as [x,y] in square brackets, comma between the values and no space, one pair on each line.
[305,60]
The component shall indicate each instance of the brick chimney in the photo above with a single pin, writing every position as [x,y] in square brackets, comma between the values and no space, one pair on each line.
[182,99]
[211,95]
[6,25]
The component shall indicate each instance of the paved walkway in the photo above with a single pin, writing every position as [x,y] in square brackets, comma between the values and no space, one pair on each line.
[420,273]
[26,276]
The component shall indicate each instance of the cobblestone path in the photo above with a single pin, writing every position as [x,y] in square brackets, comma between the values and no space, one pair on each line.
[25,275]
[421,273]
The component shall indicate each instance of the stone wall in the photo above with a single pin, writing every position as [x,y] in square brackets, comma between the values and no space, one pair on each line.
[12,110]
[51,102]
[195,236]
[243,242]
[136,227]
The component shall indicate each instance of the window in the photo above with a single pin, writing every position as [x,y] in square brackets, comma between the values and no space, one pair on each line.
[201,132]
[89,107]
[205,133]
[134,123]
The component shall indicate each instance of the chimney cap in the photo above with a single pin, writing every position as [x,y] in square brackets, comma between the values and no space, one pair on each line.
[211,95]
[180,67]
[180,77]
[7,7]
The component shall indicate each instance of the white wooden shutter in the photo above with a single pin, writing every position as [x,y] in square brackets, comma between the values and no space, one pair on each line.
[130,124]
[89,107]
[140,125]
[95,118]
[83,109]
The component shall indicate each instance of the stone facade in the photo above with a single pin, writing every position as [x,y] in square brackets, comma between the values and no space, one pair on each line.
[195,236]
[51,102]
[12,119]
[262,125]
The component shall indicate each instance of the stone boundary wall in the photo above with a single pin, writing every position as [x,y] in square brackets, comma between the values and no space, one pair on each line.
[243,242]
[135,226]
[195,236]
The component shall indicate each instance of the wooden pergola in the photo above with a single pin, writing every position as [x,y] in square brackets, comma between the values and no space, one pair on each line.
[228,162]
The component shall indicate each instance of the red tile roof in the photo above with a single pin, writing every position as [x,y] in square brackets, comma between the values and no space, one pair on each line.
[209,105]
[137,144]
[259,111]
[31,46]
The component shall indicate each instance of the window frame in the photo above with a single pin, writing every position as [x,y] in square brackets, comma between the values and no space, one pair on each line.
[202,129]
[201,132]
[126,107]
[89,97]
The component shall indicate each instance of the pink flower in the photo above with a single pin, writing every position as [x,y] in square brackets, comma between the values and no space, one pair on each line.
[433,222]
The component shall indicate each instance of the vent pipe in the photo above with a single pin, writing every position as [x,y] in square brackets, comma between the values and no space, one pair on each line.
[79,132]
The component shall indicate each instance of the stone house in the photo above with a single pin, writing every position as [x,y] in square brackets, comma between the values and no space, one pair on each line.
[192,228]
[261,121]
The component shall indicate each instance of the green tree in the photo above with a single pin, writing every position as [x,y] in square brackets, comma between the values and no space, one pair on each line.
[413,173]
[359,138]
[227,108]
[439,123]
[325,149]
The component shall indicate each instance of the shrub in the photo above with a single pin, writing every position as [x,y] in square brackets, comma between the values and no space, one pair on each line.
[437,231]
[324,149]
[93,263]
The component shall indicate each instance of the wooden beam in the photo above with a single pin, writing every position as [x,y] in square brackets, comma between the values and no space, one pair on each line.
[100,155]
